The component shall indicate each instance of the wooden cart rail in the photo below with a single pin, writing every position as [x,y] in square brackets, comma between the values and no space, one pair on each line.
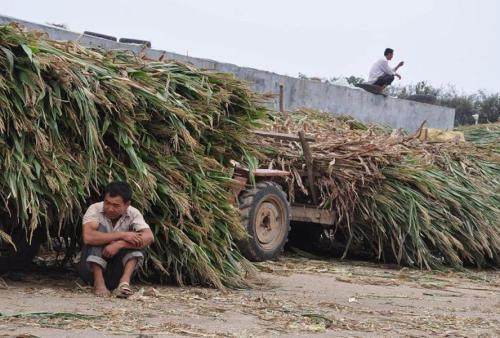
[310,214]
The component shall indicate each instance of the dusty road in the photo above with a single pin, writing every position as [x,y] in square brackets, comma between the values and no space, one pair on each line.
[299,297]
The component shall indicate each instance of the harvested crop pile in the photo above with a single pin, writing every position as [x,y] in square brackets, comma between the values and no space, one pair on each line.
[396,197]
[487,134]
[72,119]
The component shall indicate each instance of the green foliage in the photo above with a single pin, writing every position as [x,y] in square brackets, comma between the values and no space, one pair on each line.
[72,119]
[486,135]
[429,215]
[487,105]
[352,80]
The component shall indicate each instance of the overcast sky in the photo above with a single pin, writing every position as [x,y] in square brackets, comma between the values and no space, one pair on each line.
[442,41]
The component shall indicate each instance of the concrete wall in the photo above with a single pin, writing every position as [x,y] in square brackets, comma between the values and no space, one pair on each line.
[298,92]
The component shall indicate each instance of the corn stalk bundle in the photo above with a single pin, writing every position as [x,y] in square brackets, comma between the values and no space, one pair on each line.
[416,203]
[72,119]
[487,134]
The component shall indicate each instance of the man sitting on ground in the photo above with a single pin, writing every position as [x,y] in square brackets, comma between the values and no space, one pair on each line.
[115,236]
[381,74]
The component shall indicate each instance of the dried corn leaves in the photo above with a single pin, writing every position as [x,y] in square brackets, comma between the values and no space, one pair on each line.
[72,119]
[417,203]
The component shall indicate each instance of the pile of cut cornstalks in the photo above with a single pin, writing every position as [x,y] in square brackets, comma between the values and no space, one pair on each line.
[404,200]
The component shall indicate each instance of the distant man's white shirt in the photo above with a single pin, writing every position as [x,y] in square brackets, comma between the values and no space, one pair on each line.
[378,69]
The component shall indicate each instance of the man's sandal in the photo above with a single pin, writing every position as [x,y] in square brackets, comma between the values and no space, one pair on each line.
[123,290]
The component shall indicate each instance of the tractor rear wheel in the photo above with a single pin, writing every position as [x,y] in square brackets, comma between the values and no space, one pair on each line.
[265,213]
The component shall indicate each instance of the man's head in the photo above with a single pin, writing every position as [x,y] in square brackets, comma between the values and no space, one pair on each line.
[117,196]
[388,53]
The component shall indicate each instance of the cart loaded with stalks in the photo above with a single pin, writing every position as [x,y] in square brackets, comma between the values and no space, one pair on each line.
[266,210]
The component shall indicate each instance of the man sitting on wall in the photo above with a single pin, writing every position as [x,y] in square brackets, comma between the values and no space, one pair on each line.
[381,74]
[115,236]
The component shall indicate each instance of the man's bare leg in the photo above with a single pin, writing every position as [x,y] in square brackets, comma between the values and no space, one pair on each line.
[124,290]
[128,270]
[100,288]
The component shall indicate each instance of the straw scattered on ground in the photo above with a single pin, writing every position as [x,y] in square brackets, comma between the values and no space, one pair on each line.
[356,299]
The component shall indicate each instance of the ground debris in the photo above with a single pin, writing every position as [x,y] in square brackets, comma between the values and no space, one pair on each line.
[376,299]
[3,284]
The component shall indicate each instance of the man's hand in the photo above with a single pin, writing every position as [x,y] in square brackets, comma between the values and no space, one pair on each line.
[133,238]
[111,249]
[401,64]
[398,76]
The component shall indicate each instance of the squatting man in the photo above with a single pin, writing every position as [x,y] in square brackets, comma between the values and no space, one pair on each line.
[115,236]
[381,74]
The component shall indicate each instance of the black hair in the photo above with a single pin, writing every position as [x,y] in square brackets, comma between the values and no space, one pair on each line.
[388,51]
[118,188]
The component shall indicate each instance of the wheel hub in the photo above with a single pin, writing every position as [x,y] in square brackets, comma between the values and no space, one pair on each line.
[269,227]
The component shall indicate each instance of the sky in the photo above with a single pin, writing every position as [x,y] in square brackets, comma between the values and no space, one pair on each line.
[444,42]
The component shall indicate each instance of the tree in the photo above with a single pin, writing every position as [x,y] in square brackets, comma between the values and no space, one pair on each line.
[486,105]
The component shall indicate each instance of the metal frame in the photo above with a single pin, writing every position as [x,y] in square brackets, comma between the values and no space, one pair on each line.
[299,212]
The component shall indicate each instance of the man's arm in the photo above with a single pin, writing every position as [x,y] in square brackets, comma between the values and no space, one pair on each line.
[146,239]
[91,236]
[386,69]
[399,66]
[141,229]
[112,249]
[396,69]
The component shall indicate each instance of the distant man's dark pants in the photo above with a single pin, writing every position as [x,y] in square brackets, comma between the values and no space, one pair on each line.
[112,268]
[384,80]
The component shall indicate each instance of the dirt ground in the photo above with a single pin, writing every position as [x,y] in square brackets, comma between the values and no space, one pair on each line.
[298,297]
